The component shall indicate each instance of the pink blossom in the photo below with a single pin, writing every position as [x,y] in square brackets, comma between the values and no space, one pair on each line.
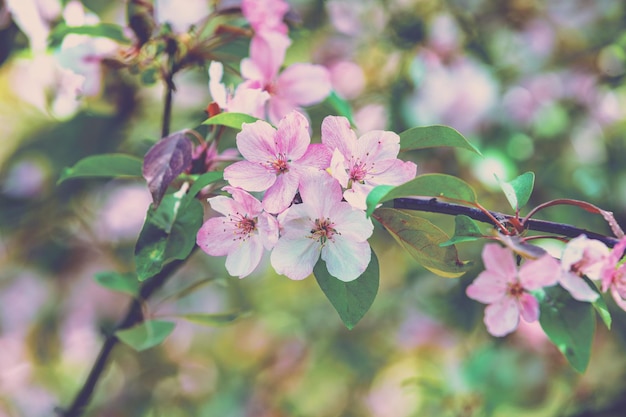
[243,100]
[582,256]
[241,234]
[506,289]
[265,15]
[361,164]
[613,274]
[322,225]
[276,159]
[298,85]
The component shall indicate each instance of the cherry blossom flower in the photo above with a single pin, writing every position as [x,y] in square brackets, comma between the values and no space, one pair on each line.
[243,100]
[506,289]
[582,256]
[241,234]
[298,85]
[266,15]
[323,225]
[276,159]
[613,274]
[361,164]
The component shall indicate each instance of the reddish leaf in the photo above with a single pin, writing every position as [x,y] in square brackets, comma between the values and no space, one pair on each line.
[165,161]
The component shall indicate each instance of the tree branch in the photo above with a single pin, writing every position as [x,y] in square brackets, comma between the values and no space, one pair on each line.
[435,206]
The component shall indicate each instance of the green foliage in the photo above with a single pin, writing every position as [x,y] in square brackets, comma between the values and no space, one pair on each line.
[126,283]
[570,324]
[430,185]
[465,230]
[422,240]
[168,233]
[341,106]
[148,334]
[213,319]
[518,190]
[232,120]
[104,166]
[203,180]
[99,30]
[423,137]
[351,299]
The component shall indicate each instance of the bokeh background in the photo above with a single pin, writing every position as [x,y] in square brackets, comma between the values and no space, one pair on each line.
[536,85]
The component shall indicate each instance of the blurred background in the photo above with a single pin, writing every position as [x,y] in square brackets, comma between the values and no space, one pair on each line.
[535,85]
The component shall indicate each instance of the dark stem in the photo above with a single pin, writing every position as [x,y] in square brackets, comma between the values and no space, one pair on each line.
[134,315]
[435,206]
[167,107]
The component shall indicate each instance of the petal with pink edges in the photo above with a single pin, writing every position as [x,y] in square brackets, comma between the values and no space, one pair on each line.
[280,195]
[377,145]
[528,307]
[488,287]
[345,259]
[292,136]
[256,142]
[352,224]
[245,258]
[216,236]
[336,133]
[577,287]
[317,156]
[295,258]
[304,84]
[539,273]
[501,318]
[249,176]
[499,260]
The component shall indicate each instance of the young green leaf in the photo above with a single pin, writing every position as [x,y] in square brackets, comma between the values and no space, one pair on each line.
[341,106]
[434,136]
[431,185]
[465,230]
[126,283]
[351,299]
[570,324]
[148,334]
[99,30]
[104,166]
[204,180]
[422,240]
[518,190]
[168,233]
[232,120]
[600,305]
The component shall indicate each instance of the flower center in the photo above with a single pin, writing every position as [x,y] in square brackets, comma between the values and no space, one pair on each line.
[323,230]
[515,290]
[359,171]
[280,165]
[244,226]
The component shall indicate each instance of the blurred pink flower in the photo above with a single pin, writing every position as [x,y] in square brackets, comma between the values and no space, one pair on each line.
[241,234]
[613,274]
[506,289]
[276,159]
[243,100]
[347,78]
[322,225]
[361,164]
[266,15]
[298,85]
[582,256]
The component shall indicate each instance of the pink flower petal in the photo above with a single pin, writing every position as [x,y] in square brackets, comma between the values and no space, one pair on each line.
[501,318]
[392,172]
[304,84]
[345,259]
[351,223]
[539,273]
[337,134]
[317,156]
[268,230]
[377,145]
[223,204]
[256,142]
[267,51]
[249,205]
[488,287]
[245,258]
[292,136]
[320,184]
[528,307]
[577,287]
[280,195]
[295,258]
[500,261]
[618,298]
[249,176]
[215,236]
[357,195]
[338,168]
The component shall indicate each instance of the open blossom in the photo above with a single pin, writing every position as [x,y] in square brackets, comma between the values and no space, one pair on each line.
[506,289]
[582,256]
[266,15]
[276,159]
[243,100]
[323,225]
[361,164]
[613,274]
[242,234]
[298,85]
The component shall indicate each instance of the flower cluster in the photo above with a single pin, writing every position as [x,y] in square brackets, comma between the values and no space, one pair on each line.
[265,90]
[507,289]
[302,214]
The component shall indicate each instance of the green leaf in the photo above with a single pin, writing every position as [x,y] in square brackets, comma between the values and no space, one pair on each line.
[215,319]
[232,120]
[434,136]
[148,334]
[570,324]
[341,106]
[104,166]
[99,30]
[351,299]
[204,180]
[431,185]
[465,230]
[422,240]
[168,233]
[518,191]
[600,305]
[126,283]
